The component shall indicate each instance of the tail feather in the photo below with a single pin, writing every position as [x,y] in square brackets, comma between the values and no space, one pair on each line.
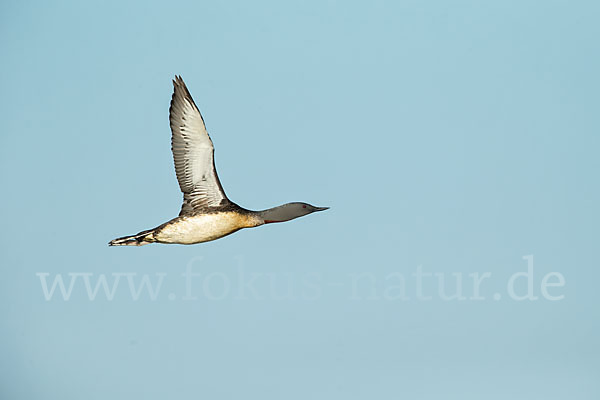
[139,239]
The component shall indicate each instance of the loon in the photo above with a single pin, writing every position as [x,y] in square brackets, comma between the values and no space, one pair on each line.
[206,214]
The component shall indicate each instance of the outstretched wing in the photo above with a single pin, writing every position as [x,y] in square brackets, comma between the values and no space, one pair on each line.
[193,153]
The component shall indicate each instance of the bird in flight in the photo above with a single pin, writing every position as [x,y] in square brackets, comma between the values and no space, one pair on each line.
[206,214]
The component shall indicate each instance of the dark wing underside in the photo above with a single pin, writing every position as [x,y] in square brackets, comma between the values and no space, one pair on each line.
[193,153]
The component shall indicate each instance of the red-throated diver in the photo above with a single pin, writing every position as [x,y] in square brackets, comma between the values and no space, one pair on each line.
[207,214]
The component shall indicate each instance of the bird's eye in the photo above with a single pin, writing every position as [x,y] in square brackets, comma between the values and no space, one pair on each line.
[303,206]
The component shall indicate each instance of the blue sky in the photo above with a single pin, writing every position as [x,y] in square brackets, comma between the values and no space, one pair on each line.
[454,142]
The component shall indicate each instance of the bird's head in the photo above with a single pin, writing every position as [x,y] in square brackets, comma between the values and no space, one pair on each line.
[289,211]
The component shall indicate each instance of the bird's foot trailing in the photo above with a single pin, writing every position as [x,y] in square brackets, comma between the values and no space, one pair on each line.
[139,239]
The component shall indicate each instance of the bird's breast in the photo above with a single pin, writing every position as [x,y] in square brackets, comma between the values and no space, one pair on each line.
[204,228]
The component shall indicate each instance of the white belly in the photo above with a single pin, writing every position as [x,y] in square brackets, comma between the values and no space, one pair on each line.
[201,228]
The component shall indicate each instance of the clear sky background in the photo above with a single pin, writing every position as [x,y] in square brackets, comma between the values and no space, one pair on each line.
[448,137]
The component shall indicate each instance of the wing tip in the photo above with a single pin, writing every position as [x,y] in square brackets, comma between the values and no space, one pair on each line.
[179,83]
[181,91]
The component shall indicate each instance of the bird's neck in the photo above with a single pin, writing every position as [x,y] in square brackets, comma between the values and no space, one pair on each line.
[280,213]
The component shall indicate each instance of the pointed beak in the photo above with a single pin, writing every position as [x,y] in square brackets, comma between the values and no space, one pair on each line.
[321,208]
